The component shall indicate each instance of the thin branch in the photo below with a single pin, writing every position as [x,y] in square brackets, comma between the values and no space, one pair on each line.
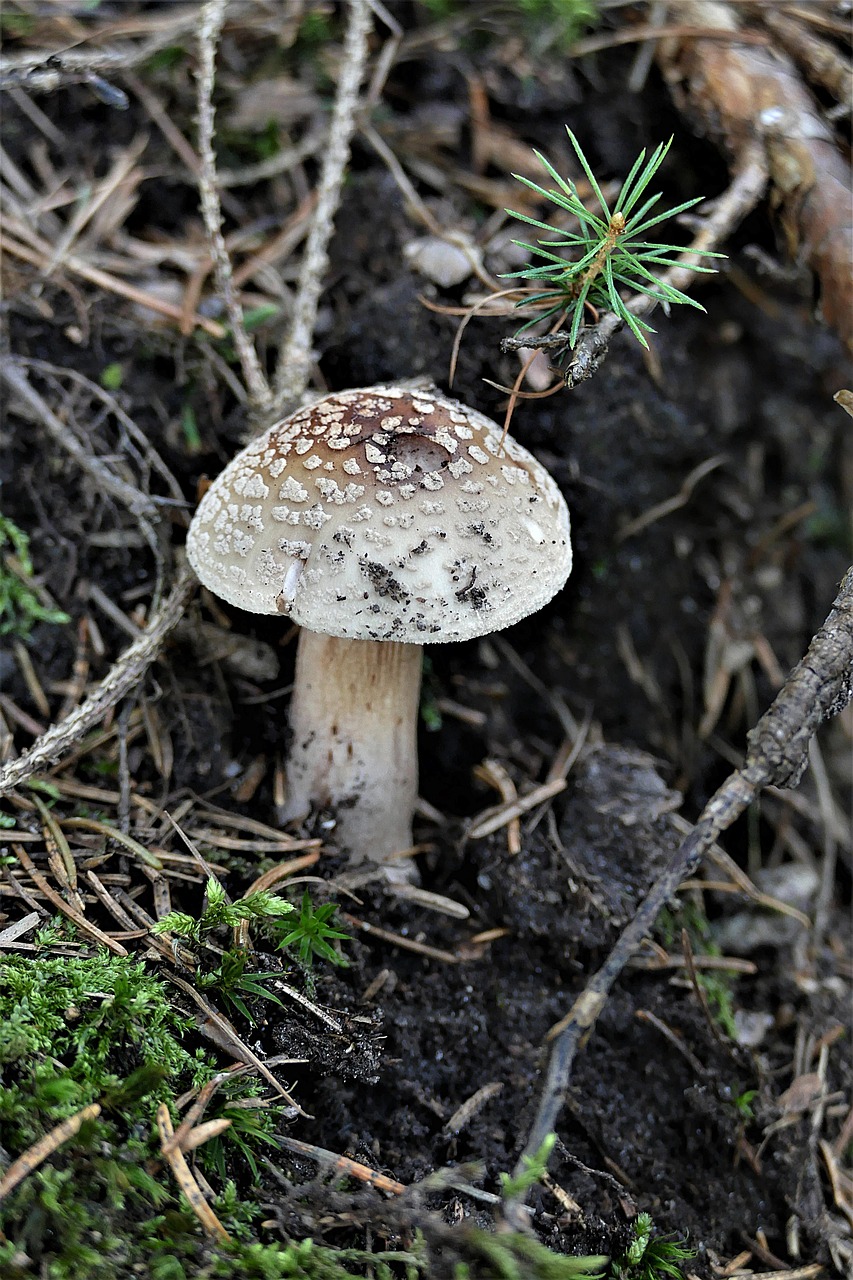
[126,672]
[45,70]
[213,16]
[139,504]
[295,357]
[820,686]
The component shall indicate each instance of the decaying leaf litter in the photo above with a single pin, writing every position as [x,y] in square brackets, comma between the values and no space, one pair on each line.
[565,764]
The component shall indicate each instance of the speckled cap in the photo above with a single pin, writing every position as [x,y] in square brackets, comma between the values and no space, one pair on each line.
[384,513]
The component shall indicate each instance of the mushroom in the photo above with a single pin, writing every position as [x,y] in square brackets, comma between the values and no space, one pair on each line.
[379,519]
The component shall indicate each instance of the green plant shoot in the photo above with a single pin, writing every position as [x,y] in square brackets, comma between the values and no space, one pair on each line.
[536,1166]
[650,1259]
[20,607]
[313,933]
[609,250]
[219,912]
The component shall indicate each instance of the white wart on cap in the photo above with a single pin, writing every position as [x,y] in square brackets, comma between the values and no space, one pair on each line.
[385,513]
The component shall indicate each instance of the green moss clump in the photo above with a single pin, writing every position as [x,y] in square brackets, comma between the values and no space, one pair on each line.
[99,1029]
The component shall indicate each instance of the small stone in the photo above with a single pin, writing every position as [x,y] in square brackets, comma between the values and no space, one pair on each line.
[443,263]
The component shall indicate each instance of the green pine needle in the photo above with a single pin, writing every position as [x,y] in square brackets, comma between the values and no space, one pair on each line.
[608,250]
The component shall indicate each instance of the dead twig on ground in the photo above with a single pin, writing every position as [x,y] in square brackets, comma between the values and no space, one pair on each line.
[139,504]
[819,687]
[126,672]
[39,1152]
[295,357]
[213,16]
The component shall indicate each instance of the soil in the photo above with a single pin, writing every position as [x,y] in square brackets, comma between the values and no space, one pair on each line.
[655,1118]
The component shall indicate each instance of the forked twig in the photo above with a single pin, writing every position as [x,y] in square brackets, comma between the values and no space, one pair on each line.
[820,686]
[139,504]
[184,1178]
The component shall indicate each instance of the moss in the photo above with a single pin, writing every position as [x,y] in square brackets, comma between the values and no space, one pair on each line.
[74,1031]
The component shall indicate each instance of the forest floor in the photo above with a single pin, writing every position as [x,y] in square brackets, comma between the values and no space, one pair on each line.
[709,482]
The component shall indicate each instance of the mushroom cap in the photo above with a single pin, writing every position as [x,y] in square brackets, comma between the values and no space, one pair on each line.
[384,513]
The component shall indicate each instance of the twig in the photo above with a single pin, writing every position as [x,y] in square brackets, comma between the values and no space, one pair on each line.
[184,1178]
[146,450]
[126,672]
[46,70]
[39,255]
[295,357]
[754,99]
[678,500]
[138,503]
[820,686]
[39,1152]
[213,16]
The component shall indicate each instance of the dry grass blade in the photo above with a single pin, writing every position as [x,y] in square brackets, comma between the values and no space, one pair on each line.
[132,846]
[184,1178]
[45,1147]
[282,872]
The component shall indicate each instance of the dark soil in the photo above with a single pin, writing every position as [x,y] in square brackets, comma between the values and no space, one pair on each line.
[654,1119]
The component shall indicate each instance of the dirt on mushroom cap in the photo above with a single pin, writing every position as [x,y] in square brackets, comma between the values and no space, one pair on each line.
[385,513]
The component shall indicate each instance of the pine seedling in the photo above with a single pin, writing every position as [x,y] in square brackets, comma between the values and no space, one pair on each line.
[610,249]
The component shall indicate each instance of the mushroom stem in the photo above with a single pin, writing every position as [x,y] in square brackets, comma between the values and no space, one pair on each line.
[354,717]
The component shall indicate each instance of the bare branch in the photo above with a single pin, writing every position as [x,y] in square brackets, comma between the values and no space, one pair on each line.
[126,672]
[820,686]
[138,503]
[294,365]
[213,16]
